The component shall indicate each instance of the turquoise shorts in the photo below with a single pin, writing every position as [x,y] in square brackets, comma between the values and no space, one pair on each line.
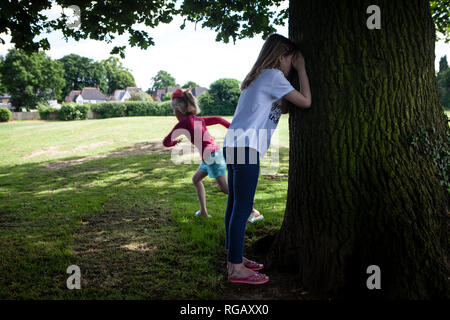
[215,166]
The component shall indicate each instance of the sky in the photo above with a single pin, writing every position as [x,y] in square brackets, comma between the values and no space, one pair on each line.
[191,54]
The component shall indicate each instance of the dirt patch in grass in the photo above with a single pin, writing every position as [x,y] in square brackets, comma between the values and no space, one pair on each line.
[136,149]
[52,151]
[55,151]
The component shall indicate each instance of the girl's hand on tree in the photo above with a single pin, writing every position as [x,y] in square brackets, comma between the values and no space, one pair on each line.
[298,61]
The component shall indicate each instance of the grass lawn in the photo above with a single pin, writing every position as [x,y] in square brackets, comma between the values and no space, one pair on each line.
[106,196]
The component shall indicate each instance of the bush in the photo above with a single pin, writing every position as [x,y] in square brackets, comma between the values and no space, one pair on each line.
[73,111]
[164,109]
[109,109]
[5,115]
[131,108]
[221,98]
[167,96]
[140,108]
[45,111]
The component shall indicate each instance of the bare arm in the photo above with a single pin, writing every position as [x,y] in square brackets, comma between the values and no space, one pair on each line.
[300,98]
[209,121]
[169,141]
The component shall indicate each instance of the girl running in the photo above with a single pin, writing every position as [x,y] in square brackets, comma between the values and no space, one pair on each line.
[248,138]
[185,108]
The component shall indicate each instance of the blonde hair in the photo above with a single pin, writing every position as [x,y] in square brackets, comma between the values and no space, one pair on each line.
[269,58]
[186,105]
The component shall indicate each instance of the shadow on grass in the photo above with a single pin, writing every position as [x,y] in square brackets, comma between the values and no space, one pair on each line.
[126,218]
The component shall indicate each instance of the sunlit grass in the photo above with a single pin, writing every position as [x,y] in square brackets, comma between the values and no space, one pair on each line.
[101,194]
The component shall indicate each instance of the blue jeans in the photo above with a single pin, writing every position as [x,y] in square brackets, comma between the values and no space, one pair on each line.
[243,175]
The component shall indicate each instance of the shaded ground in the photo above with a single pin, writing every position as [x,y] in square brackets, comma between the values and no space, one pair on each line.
[124,215]
[117,246]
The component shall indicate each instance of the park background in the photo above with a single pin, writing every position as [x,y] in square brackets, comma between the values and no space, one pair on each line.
[105,195]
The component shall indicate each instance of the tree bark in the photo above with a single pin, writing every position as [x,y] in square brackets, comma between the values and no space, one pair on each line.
[359,193]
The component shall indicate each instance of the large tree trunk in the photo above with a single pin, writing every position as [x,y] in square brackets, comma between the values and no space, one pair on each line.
[359,193]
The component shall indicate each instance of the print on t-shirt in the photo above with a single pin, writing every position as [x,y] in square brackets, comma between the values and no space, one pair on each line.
[275,111]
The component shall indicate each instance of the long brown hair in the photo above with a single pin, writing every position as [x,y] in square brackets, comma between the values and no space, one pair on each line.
[275,46]
[186,105]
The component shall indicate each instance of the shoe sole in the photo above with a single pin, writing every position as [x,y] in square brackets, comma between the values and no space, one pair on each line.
[247,281]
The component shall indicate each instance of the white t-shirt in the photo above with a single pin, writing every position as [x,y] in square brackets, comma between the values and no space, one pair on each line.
[258,111]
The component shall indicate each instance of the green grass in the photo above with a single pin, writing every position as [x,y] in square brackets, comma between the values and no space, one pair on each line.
[106,196]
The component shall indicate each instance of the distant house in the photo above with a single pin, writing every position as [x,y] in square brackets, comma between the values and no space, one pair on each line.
[86,95]
[158,96]
[124,94]
[5,101]
[133,90]
[73,94]
[197,91]
[54,104]
[120,95]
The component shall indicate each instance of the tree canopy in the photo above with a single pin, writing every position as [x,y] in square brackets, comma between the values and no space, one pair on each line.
[221,98]
[191,84]
[80,72]
[440,11]
[31,79]
[100,20]
[117,75]
[162,80]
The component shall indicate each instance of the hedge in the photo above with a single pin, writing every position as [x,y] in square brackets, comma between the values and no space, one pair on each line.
[68,111]
[109,109]
[45,112]
[73,111]
[131,108]
[5,115]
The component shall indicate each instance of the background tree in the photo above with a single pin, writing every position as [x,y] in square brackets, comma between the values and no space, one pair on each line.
[80,72]
[118,77]
[440,12]
[31,79]
[443,78]
[221,98]
[140,96]
[443,64]
[2,88]
[359,191]
[162,80]
[192,84]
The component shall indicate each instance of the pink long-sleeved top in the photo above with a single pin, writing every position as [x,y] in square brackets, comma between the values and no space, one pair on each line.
[199,135]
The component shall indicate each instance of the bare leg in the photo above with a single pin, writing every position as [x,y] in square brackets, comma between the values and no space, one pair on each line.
[223,185]
[198,184]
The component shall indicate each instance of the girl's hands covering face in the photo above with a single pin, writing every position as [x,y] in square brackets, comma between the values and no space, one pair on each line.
[298,61]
